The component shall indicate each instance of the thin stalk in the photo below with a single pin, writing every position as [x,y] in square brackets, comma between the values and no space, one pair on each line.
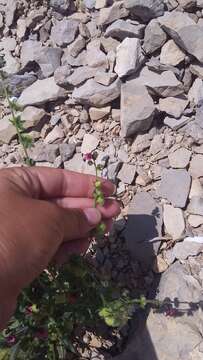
[28,160]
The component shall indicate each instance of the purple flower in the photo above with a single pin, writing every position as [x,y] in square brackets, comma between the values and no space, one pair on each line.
[11,340]
[87,157]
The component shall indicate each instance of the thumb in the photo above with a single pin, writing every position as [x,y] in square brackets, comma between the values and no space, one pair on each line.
[77,223]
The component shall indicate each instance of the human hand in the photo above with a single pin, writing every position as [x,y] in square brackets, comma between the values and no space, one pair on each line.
[45,214]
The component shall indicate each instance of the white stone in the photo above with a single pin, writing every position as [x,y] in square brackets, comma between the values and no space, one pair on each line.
[89,144]
[173,106]
[171,54]
[174,221]
[129,57]
[180,158]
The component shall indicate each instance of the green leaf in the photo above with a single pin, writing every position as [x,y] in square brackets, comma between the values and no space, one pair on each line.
[27,141]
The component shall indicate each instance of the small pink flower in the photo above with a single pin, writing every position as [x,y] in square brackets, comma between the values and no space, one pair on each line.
[170,312]
[41,334]
[11,340]
[28,310]
[87,157]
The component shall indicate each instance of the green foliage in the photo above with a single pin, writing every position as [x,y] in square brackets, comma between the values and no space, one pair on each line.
[54,305]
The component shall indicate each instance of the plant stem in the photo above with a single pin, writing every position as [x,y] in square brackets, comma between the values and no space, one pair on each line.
[27,158]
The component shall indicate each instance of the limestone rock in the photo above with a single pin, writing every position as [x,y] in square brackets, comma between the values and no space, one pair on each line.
[176,123]
[17,83]
[33,116]
[195,220]
[48,59]
[173,106]
[196,189]
[90,143]
[164,84]
[196,166]
[40,92]
[67,151]
[179,181]
[127,173]
[7,130]
[121,29]
[44,152]
[154,37]
[171,54]
[129,57]
[94,94]
[64,32]
[99,113]
[195,94]
[145,10]
[61,6]
[180,158]
[195,206]
[173,221]
[143,224]
[112,13]
[137,109]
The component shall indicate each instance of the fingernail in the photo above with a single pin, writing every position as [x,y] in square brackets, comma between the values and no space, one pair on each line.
[93,216]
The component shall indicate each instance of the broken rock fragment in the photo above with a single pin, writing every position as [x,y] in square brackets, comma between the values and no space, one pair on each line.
[129,57]
[137,109]
[145,9]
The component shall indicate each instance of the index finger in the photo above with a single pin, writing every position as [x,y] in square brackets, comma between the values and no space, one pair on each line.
[47,183]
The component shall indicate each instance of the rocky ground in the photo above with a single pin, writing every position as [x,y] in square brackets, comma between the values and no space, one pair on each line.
[124,78]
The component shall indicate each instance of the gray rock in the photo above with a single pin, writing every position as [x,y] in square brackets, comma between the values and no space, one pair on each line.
[171,54]
[195,94]
[33,117]
[62,6]
[154,37]
[137,109]
[184,32]
[197,69]
[175,187]
[109,44]
[112,13]
[180,158]
[113,169]
[173,22]
[10,10]
[61,75]
[143,224]
[29,51]
[80,60]
[96,58]
[195,220]
[105,78]
[141,143]
[92,93]
[40,92]
[196,188]
[77,46]
[64,32]
[127,173]
[90,4]
[121,29]
[164,85]
[156,144]
[67,151]
[154,65]
[173,221]
[99,113]
[196,166]
[17,83]
[176,124]
[44,152]
[195,206]
[48,59]
[173,106]
[90,143]
[7,130]
[184,249]
[129,57]
[79,76]
[54,135]
[12,64]
[162,337]
[145,10]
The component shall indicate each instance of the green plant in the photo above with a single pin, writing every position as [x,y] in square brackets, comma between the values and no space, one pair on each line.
[16,120]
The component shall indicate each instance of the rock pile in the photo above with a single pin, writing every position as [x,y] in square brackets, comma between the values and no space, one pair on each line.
[124,78]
